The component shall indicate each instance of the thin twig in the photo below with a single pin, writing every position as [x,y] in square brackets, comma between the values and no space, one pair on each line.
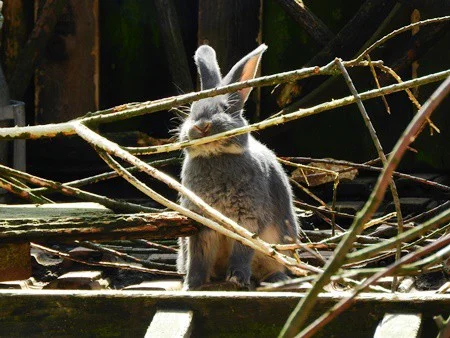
[156,245]
[308,192]
[428,212]
[396,32]
[106,264]
[375,77]
[107,175]
[335,185]
[75,192]
[387,244]
[147,264]
[322,209]
[410,94]
[380,152]
[21,192]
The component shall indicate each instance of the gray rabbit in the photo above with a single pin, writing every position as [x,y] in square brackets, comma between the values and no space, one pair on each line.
[239,176]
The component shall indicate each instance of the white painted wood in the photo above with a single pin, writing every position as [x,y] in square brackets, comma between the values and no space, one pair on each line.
[399,325]
[170,324]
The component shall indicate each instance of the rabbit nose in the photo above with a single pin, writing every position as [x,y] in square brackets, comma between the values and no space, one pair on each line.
[203,127]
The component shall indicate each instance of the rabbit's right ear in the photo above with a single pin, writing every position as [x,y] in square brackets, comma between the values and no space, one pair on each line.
[206,61]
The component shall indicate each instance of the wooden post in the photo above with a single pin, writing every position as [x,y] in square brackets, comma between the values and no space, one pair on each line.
[15,31]
[67,79]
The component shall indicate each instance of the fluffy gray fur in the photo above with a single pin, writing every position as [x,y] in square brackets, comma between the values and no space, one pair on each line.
[240,177]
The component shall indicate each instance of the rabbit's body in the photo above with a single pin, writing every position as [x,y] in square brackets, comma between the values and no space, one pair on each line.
[241,178]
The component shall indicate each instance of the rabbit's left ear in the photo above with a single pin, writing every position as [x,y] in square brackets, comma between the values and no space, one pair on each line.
[244,70]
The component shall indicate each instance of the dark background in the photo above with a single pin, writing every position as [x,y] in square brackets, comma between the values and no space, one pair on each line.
[104,53]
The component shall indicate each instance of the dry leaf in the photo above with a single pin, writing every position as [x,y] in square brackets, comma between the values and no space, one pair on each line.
[317,177]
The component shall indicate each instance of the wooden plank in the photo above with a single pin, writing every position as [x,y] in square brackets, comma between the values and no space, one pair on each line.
[171,323]
[70,221]
[399,325]
[22,211]
[18,15]
[217,314]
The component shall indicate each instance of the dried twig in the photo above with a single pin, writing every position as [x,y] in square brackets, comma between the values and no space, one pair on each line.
[404,237]
[396,32]
[107,176]
[22,192]
[119,113]
[147,264]
[375,77]
[380,152]
[75,192]
[106,264]
[156,245]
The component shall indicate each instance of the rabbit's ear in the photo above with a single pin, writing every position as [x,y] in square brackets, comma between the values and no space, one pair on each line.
[244,70]
[206,61]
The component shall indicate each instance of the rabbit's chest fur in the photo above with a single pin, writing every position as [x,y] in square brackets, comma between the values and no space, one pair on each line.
[234,184]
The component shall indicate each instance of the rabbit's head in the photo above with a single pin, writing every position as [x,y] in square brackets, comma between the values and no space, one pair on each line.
[220,113]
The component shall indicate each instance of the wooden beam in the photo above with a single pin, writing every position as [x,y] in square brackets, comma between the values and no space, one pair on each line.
[33,51]
[216,314]
[45,226]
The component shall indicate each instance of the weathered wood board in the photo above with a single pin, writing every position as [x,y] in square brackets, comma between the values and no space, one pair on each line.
[70,221]
[216,314]
[22,211]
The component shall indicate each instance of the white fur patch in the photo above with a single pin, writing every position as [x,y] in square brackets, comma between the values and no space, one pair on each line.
[214,149]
